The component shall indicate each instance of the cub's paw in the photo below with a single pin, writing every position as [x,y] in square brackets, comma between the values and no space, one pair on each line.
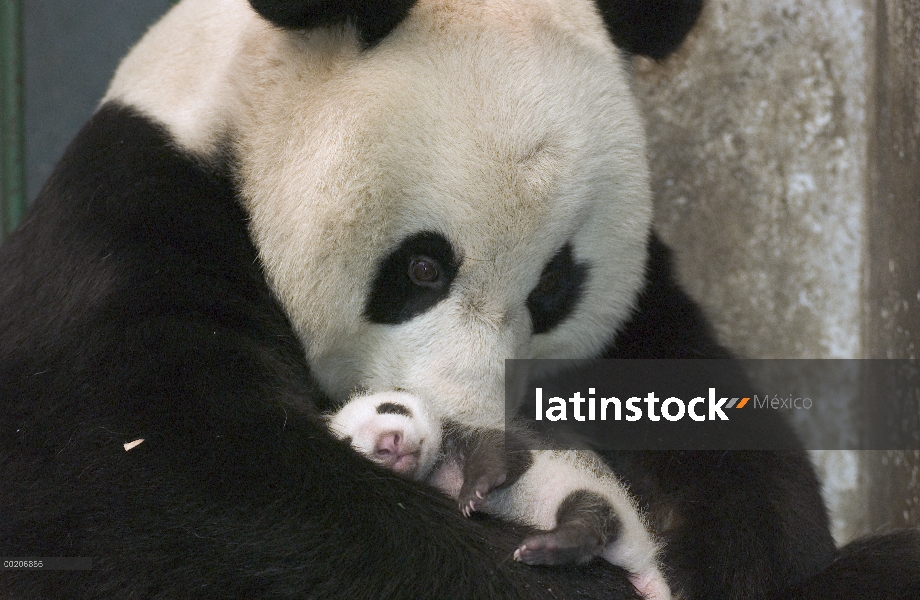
[568,543]
[492,458]
[585,524]
[477,486]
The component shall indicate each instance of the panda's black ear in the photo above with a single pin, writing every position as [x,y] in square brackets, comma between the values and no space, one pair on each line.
[652,28]
[374,19]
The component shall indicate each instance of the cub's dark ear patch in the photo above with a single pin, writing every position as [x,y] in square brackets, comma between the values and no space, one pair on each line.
[411,279]
[391,408]
[558,291]
[653,28]
[373,19]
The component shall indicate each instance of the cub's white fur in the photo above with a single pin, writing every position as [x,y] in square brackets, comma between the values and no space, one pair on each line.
[536,496]
[533,499]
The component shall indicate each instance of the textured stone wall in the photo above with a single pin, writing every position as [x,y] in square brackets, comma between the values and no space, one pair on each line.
[891,316]
[784,148]
[758,134]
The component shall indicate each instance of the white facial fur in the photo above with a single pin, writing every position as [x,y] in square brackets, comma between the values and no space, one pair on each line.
[507,126]
[419,433]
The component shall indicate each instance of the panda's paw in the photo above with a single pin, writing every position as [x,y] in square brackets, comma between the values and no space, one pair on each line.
[487,465]
[476,487]
[569,543]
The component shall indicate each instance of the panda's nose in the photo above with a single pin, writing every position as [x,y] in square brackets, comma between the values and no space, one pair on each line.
[388,445]
[395,452]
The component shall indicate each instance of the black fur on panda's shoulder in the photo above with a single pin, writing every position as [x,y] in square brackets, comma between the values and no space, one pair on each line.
[755,519]
[133,307]
[700,501]
[882,567]
[666,322]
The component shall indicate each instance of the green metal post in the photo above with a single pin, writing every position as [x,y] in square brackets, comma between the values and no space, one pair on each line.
[12,140]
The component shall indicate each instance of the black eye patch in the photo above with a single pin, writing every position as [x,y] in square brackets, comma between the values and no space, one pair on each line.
[558,291]
[411,279]
[391,408]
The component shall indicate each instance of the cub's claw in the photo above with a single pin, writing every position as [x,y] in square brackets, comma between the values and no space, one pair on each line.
[473,492]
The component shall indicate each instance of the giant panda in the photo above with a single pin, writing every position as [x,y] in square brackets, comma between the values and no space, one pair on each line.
[232,244]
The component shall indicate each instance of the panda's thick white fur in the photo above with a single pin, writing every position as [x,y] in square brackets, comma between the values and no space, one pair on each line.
[342,154]
[463,121]
[534,498]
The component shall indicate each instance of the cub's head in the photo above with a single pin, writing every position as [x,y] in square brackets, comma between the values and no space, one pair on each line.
[434,186]
[393,429]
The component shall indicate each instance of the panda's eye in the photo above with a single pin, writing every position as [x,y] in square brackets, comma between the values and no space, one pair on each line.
[424,271]
[557,292]
[412,278]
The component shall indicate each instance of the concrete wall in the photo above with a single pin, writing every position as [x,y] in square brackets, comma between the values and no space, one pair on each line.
[784,148]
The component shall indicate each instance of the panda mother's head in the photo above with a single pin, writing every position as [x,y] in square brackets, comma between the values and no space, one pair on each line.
[433,186]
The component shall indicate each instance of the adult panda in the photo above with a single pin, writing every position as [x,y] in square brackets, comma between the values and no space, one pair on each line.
[231,243]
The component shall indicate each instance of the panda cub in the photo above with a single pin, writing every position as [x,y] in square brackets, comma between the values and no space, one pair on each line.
[487,470]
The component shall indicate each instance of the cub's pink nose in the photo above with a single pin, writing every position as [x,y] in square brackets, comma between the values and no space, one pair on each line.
[393,452]
[388,445]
